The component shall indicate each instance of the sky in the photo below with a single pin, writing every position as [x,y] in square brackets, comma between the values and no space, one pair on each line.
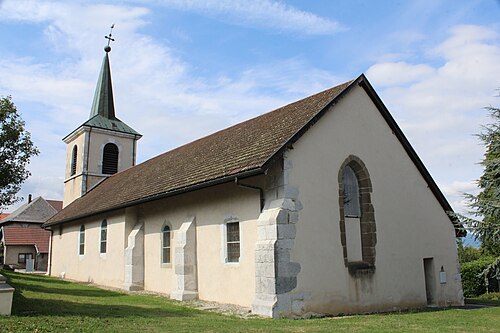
[183,69]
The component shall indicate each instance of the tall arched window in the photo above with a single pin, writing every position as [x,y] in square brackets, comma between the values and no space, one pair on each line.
[74,157]
[165,245]
[104,236]
[351,193]
[357,217]
[81,248]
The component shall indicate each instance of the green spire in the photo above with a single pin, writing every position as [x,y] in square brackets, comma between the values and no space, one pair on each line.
[103,104]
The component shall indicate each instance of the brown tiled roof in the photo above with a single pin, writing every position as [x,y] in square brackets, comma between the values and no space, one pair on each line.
[244,149]
[240,149]
[27,236]
[2,215]
[57,204]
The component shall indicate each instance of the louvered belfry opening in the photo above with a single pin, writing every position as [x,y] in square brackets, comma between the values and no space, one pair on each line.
[74,160]
[110,159]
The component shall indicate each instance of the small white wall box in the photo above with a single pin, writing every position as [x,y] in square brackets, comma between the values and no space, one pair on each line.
[442,276]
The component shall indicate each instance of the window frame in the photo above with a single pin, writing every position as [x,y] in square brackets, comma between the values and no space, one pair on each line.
[107,159]
[166,260]
[366,219]
[103,242]
[25,255]
[74,160]
[81,240]
[225,244]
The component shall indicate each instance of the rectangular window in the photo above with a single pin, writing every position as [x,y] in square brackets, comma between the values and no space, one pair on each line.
[104,236]
[103,241]
[233,241]
[21,257]
[81,247]
[165,247]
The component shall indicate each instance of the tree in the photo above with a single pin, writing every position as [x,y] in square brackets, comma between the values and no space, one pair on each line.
[16,149]
[487,203]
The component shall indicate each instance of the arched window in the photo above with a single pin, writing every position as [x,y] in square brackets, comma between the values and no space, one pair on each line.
[104,236]
[74,157]
[357,217]
[110,159]
[351,193]
[81,248]
[165,245]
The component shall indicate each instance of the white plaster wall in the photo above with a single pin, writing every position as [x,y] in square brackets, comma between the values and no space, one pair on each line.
[411,225]
[73,184]
[217,281]
[104,269]
[97,142]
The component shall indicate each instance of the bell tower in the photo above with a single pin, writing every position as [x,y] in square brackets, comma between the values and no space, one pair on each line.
[101,146]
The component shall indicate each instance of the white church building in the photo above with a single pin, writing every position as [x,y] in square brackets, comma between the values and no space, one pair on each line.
[319,206]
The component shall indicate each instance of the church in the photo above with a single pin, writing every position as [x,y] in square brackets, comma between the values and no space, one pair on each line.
[320,206]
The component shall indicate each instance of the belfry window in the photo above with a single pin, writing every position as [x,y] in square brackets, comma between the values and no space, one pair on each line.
[74,158]
[110,159]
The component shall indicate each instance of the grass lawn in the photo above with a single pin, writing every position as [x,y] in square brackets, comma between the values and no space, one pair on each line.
[43,304]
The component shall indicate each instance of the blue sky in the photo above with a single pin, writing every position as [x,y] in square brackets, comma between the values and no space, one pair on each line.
[183,69]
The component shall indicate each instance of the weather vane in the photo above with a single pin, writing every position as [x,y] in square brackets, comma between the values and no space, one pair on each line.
[107,48]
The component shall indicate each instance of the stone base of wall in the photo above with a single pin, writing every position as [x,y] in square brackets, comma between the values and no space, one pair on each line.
[184,295]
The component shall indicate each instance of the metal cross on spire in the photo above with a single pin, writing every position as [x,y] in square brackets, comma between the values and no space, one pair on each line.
[107,48]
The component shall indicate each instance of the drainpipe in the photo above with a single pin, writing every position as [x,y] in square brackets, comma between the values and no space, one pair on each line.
[49,263]
[261,191]
[134,149]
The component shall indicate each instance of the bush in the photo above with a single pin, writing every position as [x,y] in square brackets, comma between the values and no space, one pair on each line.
[472,283]
[468,253]
[491,296]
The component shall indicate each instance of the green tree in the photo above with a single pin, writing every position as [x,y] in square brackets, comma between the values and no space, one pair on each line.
[16,149]
[487,203]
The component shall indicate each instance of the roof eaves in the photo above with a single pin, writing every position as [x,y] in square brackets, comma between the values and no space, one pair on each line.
[182,190]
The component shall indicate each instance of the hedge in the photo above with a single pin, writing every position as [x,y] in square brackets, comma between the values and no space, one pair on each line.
[472,284]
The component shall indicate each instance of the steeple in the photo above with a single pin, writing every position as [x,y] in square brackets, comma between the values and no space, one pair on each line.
[103,104]
[103,145]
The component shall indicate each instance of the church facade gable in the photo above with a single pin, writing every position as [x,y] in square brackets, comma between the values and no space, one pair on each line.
[396,211]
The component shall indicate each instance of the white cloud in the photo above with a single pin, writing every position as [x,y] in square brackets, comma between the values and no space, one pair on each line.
[398,73]
[155,92]
[440,106]
[260,13]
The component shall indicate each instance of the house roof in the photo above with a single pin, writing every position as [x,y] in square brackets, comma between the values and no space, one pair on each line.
[244,149]
[27,236]
[102,113]
[36,211]
[57,204]
[2,215]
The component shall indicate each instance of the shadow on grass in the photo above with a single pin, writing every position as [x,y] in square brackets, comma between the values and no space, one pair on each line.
[49,285]
[23,307]
[53,297]
[94,292]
